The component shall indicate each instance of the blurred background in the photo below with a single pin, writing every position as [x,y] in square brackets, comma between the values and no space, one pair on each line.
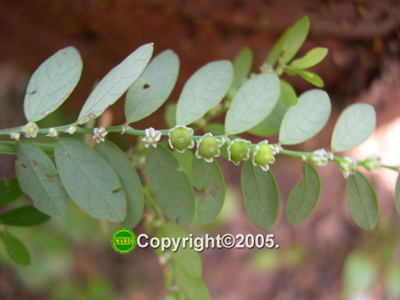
[326,257]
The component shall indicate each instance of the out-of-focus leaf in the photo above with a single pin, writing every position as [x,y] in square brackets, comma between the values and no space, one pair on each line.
[311,77]
[170,115]
[242,66]
[15,248]
[9,192]
[313,57]
[23,216]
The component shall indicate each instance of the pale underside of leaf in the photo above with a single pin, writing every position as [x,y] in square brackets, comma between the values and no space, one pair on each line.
[355,124]
[153,87]
[115,83]
[305,119]
[52,83]
[252,103]
[203,91]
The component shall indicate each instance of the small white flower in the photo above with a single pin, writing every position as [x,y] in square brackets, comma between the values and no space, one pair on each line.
[152,137]
[31,130]
[71,130]
[99,134]
[373,163]
[348,166]
[125,128]
[52,133]
[320,157]
[15,136]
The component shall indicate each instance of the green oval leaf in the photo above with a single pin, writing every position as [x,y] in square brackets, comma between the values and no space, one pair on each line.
[130,181]
[304,197]
[271,124]
[9,191]
[261,195]
[288,94]
[153,87]
[362,201]
[15,248]
[115,83]
[184,257]
[313,57]
[204,90]
[208,176]
[252,103]
[170,115]
[38,177]
[397,195]
[52,83]
[242,66]
[355,124]
[311,77]
[294,39]
[305,119]
[193,287]
[24,216]
[90,180]
[185,159]
[170,185]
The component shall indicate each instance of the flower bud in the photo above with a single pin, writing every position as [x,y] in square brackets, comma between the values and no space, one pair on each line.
[348,166]
[264,155]
[208,147]
[239,150]
[320,157]
[180,138]
[373,163]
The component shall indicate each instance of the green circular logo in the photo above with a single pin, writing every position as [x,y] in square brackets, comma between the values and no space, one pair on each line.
[123,240]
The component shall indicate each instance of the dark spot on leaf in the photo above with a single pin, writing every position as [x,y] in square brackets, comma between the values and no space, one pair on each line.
[150,179]
[132,92]
[122,209]
[116,190]
[180,169]
[146,86]
[21,165]
[177,219]
[59,156]
[213,190]
[33,92]
[34,163]
[51,176]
